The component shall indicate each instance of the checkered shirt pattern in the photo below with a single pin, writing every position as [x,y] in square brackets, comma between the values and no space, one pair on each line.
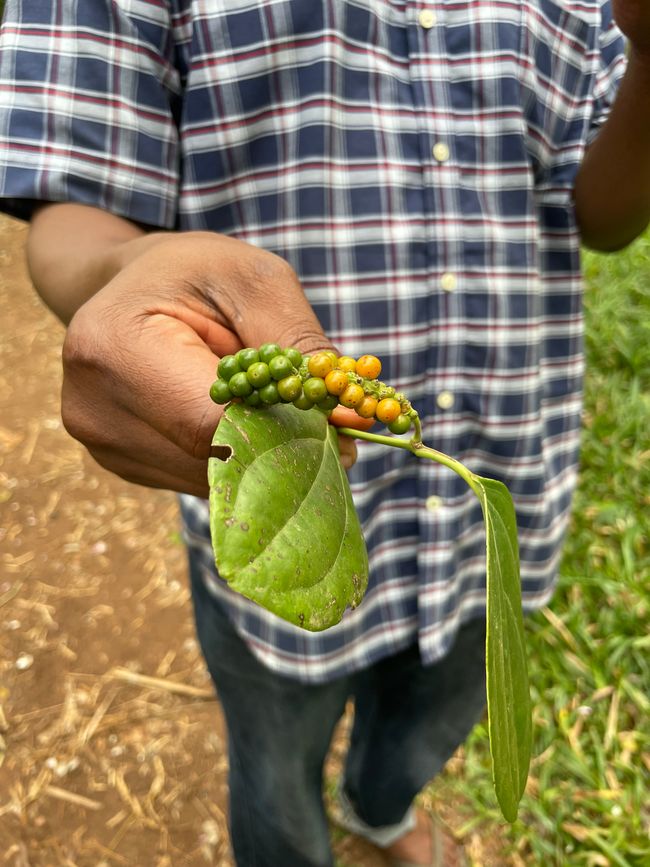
[414,163]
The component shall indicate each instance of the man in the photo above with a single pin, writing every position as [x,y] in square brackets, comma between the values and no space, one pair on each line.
[397,178]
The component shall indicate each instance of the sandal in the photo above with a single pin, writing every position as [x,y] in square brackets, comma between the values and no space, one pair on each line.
[438,833]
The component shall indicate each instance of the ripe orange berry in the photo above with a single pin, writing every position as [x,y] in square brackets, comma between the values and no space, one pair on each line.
[320,364]
[352,396]
[387,410]
[347,363]
[367,407]
[336,381]
[368,366]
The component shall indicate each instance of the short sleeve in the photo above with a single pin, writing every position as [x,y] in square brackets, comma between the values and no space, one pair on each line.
[612,63]
[88,100]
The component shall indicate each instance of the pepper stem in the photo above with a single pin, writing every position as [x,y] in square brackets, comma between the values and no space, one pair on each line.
[416,447]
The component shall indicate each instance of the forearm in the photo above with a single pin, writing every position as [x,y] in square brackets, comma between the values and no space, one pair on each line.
[612,189]
[74,250]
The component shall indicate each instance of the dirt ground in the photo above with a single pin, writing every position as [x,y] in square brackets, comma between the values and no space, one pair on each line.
[112,744]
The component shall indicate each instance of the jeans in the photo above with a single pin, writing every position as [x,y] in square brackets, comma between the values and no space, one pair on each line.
[408,721]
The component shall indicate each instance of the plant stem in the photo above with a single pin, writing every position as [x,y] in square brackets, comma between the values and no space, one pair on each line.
[418,449]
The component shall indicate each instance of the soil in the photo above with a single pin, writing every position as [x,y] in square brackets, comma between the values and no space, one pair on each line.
[112,743]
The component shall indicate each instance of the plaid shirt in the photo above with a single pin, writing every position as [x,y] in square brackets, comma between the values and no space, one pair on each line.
[414,164]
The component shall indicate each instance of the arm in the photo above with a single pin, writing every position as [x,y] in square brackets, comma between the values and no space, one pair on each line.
[149,316]
[73,250]
[612,189]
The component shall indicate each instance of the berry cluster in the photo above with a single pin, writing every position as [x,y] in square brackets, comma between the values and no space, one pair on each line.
[268,375]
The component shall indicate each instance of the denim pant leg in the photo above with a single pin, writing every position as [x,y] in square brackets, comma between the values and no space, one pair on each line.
[409,720]
[279,731]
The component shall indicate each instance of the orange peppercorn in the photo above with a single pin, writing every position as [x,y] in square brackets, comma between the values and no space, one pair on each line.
[352,395]
[367,407]
[320,364]
[336,381]
[368,366]
[347,363]
[387,410]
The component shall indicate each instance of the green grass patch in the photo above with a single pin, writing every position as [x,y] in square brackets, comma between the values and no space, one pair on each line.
[587,800]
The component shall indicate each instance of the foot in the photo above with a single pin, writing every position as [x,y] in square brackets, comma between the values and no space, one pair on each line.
[421,847]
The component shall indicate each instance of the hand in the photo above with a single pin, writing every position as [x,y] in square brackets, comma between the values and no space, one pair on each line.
[140,356]
[633,19]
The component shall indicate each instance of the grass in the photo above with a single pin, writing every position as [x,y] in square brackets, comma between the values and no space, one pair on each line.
[588,798]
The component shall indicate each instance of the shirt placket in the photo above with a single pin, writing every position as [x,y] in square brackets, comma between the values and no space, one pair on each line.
[442,402]
[430,71]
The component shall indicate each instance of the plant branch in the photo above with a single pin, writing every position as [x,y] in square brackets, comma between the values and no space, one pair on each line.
[419,450]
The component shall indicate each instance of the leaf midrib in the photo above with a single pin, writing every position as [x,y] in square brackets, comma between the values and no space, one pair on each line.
[243,573]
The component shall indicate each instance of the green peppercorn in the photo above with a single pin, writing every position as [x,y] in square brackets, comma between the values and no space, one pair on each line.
[267,351]
[328,404]
[269,393]
[259,374]
[246,357]
[239,384]
[219,391]
[280,366]
[401,424]
[253,399]
[303,402]
[294,355]
[228,366]
[290,388]
[314,389]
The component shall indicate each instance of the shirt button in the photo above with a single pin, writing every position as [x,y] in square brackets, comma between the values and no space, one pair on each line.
[445,400]
[448,282]
[427,19]
[440,151]
[433,503]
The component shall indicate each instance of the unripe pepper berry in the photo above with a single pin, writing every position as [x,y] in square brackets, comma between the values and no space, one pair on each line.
[219,391]
[280,366]
[294,356]
[401,424]
[246,357]
[328,404]
[314,389]
[269,393]
[267,351]
[259,374]
[228,366]
[239,384]
[303,402]
[290,388]
[387,410]
[253,399]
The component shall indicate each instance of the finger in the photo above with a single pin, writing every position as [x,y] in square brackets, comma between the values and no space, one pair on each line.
[138,473]
[156,369]
[343,416]
[221,340]
[130,448]
[347,451]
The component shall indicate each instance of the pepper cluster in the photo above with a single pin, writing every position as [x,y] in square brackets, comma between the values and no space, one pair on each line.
[269,375]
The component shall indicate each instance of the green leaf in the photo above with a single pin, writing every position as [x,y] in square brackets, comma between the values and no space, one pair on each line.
[284,529]
[508,697]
